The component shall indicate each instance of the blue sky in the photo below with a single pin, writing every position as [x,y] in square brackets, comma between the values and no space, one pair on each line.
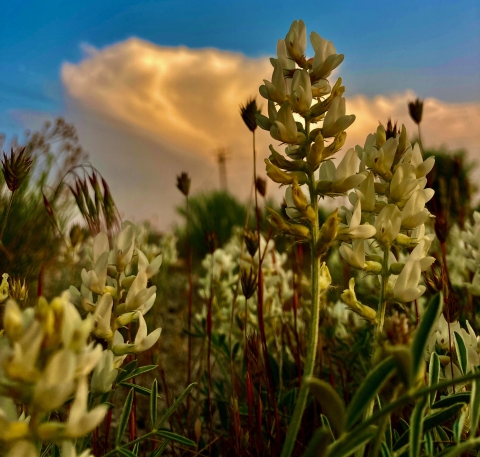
[430,46]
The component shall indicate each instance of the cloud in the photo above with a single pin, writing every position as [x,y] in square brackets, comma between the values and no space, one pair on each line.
[189,98]
[147,112]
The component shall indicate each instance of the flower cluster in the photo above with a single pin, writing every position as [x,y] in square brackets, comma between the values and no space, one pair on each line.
[385,179]
[221,280]
[444,341]
[45,358]
[114,298]
[392,200]
[470,252]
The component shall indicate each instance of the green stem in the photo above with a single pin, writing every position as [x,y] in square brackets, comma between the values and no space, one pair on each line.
[382,303]
[314,326]
[6,215]
[131,443]
[4,224]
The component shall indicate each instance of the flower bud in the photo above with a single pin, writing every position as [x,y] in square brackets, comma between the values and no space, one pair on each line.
[381,136]
[388,224]
[373,267]
[248,113]
[298,230]
[4,288]
[12,321]
[251,241]
[296,41]
[15,168]
[415,109]
[328,233]
[396,268]
[350,299]
[249,282]
[315,155]
[183,183]
[324,279]
[299,198]
[277,175]
[261,186]
[276,220]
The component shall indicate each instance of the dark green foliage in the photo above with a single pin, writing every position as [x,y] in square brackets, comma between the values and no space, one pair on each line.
[212,218]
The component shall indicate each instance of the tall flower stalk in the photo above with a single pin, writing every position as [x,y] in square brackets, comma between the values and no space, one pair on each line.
[183,185]
[296,83]
[385,181]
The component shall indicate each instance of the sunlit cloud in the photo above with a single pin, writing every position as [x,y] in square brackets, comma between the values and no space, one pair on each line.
[186,102]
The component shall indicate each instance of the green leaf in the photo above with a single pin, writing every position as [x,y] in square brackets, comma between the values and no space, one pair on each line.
[122,425]
[453,451]
[402,440]
[139,371]
[475,406]
[126,370]
[428,423]
[330,401]
[126,452]
[319,442]
[416,427]
[153,403]
[140,389]
[109,405]
[263,122]
[326,424]
[403,356]
[368,389]
[453,399]
[46,450]
[440,417]
[429,444]
[461,350]
[347,445]
[174,437]
[160,450]
[433,374]
[136,448]
[385,450]
[423,332]
[458,426]
[176,403]
[442,435]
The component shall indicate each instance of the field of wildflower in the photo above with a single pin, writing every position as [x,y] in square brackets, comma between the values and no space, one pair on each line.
[306,329]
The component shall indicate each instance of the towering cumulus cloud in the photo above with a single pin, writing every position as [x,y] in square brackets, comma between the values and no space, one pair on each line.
[188,98]
[170,109]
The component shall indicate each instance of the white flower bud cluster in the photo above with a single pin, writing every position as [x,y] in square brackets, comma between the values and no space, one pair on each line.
[441,342]
[391,200]
[471,252]
[277,287]
[45,358]
[299,90]
[114,298]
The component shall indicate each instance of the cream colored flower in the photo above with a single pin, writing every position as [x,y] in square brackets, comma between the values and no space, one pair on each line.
[284,128]
[275,90]
[388,224]
[104,374]
[326,58]
[81,421]
[355,229]
[296,41]
[336,121]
